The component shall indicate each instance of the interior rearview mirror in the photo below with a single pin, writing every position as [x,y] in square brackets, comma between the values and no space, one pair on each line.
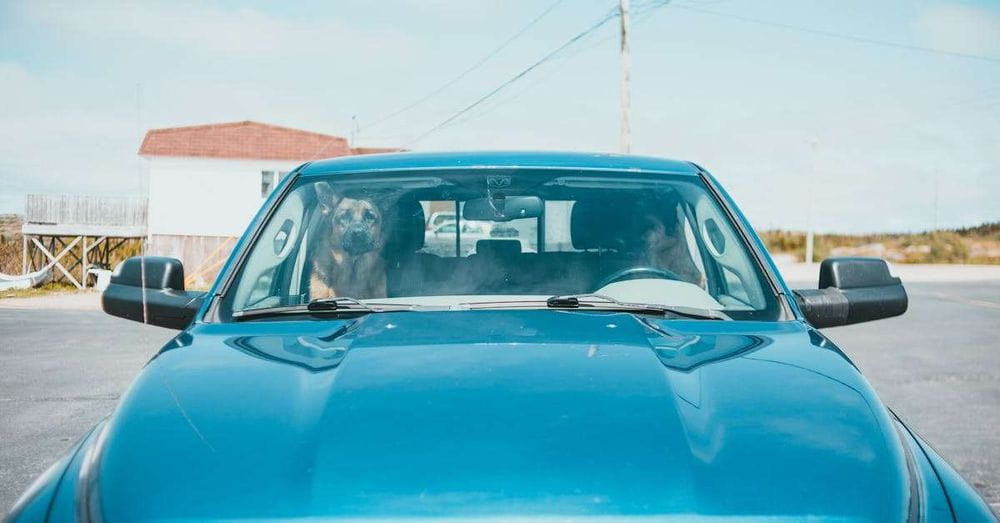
[502,209]
[852,290]
[166,302]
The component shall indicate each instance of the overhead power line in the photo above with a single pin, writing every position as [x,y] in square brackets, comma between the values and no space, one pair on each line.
[469,70]
[642,15]
[611,15]
[644,11]
[831,34]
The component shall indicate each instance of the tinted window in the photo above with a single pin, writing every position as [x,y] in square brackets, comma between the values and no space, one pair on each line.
[656,239]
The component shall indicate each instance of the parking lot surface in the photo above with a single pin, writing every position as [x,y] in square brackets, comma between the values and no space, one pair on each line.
[938,367]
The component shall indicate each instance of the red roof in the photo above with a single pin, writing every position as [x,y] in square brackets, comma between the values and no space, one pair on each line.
[248,140]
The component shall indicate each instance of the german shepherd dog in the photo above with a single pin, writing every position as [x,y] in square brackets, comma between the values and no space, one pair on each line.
[347,257]
[662,238]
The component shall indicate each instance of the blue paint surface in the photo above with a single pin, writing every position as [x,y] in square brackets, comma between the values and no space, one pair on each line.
[532,413]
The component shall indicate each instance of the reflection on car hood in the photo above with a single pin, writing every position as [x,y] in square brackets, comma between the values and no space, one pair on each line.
[501,415]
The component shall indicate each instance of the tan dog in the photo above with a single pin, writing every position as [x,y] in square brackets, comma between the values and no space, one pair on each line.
[664,241]
[347,257]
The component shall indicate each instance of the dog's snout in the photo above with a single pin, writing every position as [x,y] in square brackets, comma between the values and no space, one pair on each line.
[358,240]
[354,233]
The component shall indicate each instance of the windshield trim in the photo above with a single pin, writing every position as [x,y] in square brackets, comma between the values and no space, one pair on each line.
[527,167]
[785,309]
[243,246]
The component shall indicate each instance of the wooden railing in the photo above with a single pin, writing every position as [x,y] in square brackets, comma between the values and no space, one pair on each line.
[84,210]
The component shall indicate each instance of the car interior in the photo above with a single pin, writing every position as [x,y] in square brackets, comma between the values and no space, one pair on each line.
[600,245]
[501,266]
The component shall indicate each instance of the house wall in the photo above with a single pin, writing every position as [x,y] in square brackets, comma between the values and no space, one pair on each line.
[199,206]
[205,196]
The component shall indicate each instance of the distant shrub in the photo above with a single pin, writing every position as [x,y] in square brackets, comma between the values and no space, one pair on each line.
[953,246]
[10,256]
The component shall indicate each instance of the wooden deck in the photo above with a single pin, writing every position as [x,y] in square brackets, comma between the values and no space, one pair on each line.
[73,234]
[67,215]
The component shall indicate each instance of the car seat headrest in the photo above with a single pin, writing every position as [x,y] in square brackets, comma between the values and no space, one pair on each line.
[597,224]
[498,248]
[406,229]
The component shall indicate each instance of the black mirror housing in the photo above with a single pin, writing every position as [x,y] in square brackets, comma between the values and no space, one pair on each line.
[852,290]
[161,273]
[503,209]
[166,302]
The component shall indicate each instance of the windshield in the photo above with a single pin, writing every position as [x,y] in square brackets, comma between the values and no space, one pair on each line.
[455,239]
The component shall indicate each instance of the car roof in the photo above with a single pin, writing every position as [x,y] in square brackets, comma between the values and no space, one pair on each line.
[498,160]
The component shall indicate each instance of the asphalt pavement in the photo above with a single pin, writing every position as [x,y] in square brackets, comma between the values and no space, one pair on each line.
[61,371]
[938,367]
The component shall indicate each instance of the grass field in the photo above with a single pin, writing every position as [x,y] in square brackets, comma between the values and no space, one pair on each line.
[41,290]
[972,245]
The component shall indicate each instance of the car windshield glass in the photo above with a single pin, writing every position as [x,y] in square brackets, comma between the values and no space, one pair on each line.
[453,238]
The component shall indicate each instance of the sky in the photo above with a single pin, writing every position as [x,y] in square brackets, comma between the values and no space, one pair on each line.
[851,115]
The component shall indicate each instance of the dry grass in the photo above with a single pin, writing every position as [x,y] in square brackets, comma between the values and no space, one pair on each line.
[973,245]
[56,287]
[10,256]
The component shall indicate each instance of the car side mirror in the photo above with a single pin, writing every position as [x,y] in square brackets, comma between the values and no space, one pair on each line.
[852,290]
[167,304]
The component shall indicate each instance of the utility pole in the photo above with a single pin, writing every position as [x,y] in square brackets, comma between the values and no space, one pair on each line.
[936,177]
[626,59]
[814,143]
[145,239]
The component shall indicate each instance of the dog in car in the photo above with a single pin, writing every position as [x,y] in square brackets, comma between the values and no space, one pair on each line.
[347,257]
[662,241]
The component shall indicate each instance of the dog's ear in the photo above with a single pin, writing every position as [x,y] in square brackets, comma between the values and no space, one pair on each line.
[328,199]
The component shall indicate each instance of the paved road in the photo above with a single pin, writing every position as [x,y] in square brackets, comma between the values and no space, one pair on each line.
[938,367]
[61,371]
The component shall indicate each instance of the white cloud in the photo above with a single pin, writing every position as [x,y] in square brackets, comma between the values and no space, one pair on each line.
[198,28]
[959,28]
[76,129]
[52,142]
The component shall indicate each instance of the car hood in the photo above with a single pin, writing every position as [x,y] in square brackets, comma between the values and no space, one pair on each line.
[499,415]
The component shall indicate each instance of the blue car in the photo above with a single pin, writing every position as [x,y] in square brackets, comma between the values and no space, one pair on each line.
[630,354]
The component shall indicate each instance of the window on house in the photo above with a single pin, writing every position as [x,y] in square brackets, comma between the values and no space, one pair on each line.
[267,182]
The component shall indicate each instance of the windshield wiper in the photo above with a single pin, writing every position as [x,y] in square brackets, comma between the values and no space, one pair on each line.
[334,304]
[600,301]
[339,305]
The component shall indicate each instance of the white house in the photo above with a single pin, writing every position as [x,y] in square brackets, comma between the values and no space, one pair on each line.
[205,182]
